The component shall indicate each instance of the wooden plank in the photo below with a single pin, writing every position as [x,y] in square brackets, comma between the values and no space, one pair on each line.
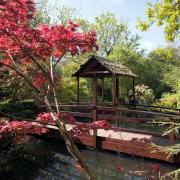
[156,107]
[132,149]
[75,105]
[79,114]
[139,132]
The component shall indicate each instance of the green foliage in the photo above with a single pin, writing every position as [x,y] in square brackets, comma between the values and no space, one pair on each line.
[172,150]
[174,175]
[163,13]
[168,100]
[23,109]
[162,54]
[173,79]
[160,63]
[13,87]
[41,16]
[64,14]
[47,13]
[156,70]
[4,92]
[135,61]
[67,87]
[172,99]
[109,31]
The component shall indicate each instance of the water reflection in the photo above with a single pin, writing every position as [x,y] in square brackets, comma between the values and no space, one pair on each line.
[49,160]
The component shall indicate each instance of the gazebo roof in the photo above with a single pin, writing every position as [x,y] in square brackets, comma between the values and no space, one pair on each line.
[100,67]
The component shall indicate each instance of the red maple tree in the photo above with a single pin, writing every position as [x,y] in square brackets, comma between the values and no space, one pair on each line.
[32,53]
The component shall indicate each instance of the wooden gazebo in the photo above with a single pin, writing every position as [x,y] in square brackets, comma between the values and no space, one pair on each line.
[99,68]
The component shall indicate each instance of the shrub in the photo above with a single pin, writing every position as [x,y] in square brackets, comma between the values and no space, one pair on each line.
[143,94]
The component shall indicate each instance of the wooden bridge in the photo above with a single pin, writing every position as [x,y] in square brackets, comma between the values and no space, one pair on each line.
[118,138]
[125,140]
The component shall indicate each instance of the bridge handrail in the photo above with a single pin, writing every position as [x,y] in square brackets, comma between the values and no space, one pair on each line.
[108,104]
[137,111]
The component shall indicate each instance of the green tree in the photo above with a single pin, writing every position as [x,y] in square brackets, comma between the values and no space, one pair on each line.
[131,58]
[47,13]
[172,98]
[163,13]
[161,62]
[64,14]
[151,69]
[109,31]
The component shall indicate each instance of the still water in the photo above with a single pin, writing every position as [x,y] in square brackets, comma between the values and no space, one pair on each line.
[45,159]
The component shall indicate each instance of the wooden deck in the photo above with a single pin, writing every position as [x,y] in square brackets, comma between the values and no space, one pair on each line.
[124,141]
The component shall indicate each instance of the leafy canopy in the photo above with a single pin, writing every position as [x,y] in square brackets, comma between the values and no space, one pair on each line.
[109,32]
[163,13]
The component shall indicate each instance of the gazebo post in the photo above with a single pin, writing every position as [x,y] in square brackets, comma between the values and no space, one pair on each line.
[133,90]
[113,91]
[102,92]
[94,107]
[114,97]
[117,99]
[77,90]
[117,90]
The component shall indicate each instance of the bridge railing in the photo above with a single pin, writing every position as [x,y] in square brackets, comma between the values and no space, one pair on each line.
[145,117]
[167,110]
[121,116]
[129,118]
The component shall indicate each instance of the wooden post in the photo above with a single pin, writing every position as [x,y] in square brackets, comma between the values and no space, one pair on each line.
[117,91]
[113,91]
[78,90]
[102,92]
[114,95]
[134,91]
[94,107]
[117,100]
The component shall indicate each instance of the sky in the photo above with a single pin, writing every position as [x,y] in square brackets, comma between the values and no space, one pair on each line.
[128,9]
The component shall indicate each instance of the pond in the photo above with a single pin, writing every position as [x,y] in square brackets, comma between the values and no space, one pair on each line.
[47,159]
